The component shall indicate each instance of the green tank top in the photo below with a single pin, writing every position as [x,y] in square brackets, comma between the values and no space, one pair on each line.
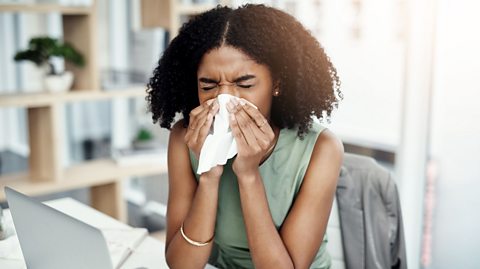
[282,174]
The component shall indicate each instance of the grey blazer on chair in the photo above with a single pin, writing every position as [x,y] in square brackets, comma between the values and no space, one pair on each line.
[370,215]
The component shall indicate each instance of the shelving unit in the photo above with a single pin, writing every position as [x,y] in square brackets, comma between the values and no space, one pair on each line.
[45,8]
[78,29]
[32,100]
[168,13]
[46,174]
[79,176]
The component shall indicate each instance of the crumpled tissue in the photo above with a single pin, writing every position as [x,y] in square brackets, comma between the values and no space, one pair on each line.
[220,144]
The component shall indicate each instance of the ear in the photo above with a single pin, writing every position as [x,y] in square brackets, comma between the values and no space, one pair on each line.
[276,88]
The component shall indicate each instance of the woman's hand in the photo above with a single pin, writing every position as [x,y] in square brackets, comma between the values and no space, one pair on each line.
[253,135]
[201,119]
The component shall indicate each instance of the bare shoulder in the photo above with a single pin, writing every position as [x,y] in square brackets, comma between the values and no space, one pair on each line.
[177,130]
[178,154]
[328,142]
[326,158]
[178,149]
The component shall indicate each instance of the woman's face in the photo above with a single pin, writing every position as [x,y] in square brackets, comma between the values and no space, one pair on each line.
[243,77]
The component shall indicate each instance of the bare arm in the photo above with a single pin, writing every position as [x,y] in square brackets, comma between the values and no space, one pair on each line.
[301,235]
[266,245]
[302,231]
[190,202]
[304,228]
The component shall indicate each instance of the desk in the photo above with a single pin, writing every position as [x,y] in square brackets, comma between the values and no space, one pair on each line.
[149,254]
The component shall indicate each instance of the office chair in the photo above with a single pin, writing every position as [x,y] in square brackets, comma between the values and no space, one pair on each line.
[365,228]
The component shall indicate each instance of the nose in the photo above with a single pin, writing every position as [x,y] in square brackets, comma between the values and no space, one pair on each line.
[228,88]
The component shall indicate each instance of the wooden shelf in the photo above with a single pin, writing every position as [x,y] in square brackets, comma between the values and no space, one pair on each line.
[168,13]
[32,100]
[88,174]
[46,174]
[46,8]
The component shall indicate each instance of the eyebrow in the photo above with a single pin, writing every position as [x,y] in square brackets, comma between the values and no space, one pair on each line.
[239,79]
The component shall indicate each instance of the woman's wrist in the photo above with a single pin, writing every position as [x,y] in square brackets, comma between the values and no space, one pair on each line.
[208,180]
[247,178]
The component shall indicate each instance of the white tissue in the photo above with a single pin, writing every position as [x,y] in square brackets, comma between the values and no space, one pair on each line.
[220,145]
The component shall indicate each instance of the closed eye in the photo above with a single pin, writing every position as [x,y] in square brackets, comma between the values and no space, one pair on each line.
[208,88]
[241,86]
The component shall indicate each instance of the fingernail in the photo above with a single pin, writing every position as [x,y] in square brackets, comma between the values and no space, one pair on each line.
[235,102]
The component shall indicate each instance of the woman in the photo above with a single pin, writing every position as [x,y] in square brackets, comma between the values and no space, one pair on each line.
[267,207]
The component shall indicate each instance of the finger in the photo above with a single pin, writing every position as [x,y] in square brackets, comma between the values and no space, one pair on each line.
[199,119]
[200,112]
[203,132]
[233,107]
[199,115]
[192,131]
[201,107]
[263,135]
[203,124]
[205,128]
[246,123]
[237,133]
[265,129]
[255,115]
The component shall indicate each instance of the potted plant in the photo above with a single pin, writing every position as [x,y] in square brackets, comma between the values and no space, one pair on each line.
[144,140]
[40,50]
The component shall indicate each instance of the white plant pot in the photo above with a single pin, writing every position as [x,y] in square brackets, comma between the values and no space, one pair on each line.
[59,83]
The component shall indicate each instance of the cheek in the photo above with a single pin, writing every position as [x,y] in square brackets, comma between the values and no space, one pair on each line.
[259,96]
[265,111]
[261,104]
[204,96]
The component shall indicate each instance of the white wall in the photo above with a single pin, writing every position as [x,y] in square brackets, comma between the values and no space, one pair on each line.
[455,136]
[371,69]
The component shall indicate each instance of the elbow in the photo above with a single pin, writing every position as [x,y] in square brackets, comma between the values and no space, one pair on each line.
[284,264]
[174,262]
[168,258]
[171,262]
[300,265]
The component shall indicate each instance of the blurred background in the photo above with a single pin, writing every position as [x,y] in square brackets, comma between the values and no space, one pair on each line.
[408,70]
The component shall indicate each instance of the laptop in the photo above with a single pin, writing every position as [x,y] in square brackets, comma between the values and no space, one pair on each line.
[50,239]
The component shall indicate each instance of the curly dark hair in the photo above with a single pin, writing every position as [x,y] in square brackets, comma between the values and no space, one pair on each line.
[307,79]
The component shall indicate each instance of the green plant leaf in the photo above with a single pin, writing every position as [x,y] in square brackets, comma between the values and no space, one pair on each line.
[41,49]
[144,135]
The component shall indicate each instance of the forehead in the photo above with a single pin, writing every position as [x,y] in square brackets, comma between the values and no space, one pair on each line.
[226,59]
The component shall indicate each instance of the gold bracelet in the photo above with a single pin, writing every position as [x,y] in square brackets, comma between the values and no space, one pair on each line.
[195,243]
